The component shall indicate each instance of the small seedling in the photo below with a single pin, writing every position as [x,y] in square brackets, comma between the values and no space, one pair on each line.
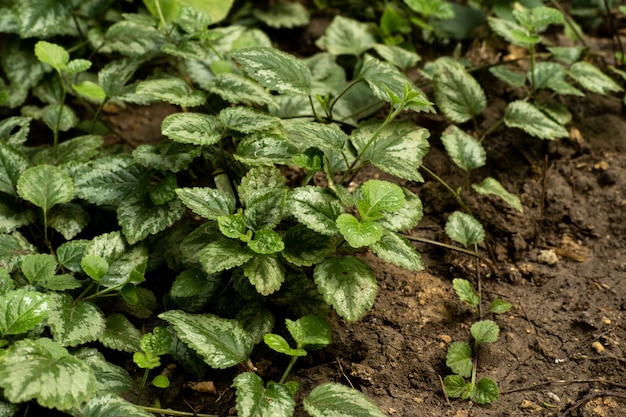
[153,346]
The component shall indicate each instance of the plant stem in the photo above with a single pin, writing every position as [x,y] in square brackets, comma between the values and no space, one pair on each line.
[292,362]
[344,91]
[531,54]
[458,198]
[58,123]
[479,284]
[170,412]
[491,129]
[142,385]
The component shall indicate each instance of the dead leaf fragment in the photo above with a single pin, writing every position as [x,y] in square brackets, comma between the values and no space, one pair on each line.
[205,387]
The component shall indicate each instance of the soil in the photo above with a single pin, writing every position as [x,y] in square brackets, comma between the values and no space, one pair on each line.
[561,349]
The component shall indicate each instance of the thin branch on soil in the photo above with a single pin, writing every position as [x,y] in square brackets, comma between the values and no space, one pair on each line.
[443,388]
[171,412]
[343,373]
[563,382]
[590,397]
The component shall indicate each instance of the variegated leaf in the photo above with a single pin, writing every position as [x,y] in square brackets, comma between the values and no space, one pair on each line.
[13,249]
[193,128]
[237,89]
[110,405]
[247,120]
[109,378]
[396,249]
[209,203]
[14,130]
[457,93]
[316,208]
[222,255]
[45,371]
[345,36]
[466,152]
[43,18]
[13,163]
[530,119]
[166,156]
[68,219]
[21,311]
[172,90]
[221,342]
[134,39]
[255,400]
[12,216]
[74,323]
[334,400]
[266,273]
[140,217]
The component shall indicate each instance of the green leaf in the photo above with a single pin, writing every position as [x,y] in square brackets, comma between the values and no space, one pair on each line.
[512,78]
[166,156]
[207,202]
[458,94]
[76,66]
[161,381]
[43,18]
[486,391]
[258,182]
[12,216]
[345,36]
[466,152]
[134,39]
[464,229]
[398,149]
[459,359]
[52,54]
[513,32]
[397,55]
[499,306]
[558,112]
[280,345]
[68,219]
[70,253]
[67,119]
[593,79]
[13,163]
[396,249]
[348,284]
[14,130]
[43,370]
[13,249]
[115,74]
[485,331]
[492,186]
[221,342]
[79,149]
[140,217]
[39,267]
[266,273]
[537,18]
[192,289]
[305,247]
[256,319]
[109,378]
[310,332]
[6,282]
[359,233]
[266,241]
[551,75]
[45,186]
[247,120]
[120,334]
[94,266]
[74,323]
[265,149]
[107,181]
[222,255]
[566,54]
[255,400]
[90,90]
[21,311]
[283,15]
[383,77]
[234,88]
[456,387]
[379,196]
[156,343]
[193,128]
[336,400]
[275,69]
[172,90]
[316,208]
[465,291]
[530,119]
[110,405]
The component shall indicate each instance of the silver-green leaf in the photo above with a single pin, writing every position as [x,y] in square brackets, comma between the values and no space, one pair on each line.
[492,186]
[316,208]
[172,90]
[140,217]
[266,273]
[396,249]
[45,186]
[193,128]
[209,203]
[255,400]
[336,400]
[458,94]
[73,323]
[530,119]
[237,89]
[466,152]
[345,36]
[21,311]
[593,79]
[464,229]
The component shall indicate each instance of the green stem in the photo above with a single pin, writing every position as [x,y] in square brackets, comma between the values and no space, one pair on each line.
[58,123]
[531,54]
[170,412]
[45,227]
[158,6]
[144,381]
[97,115]
[344,91]
[458,198]
[491,129]
[292,362]
[313,109]
[479,283]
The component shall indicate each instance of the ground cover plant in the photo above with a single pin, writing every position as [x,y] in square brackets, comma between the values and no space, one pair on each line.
[254,209]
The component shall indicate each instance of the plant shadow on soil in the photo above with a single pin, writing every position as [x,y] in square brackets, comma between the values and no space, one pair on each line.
[562,347]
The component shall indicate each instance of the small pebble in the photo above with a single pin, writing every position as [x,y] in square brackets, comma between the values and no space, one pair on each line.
[547,257]
[597,346]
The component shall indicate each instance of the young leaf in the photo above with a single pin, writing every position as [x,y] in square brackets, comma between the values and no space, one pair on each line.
[486,391]
[193,128]
[161,381]
[458,94]
[21,311]
[39,267]
[74,323]
[52,54]
[348,284]
[380,196]
[276,70]
[266,241]
[499,306]
[359,233]
[280,345]
[459,359]
[45,186]
[512,78]
[105,404]
[247,120]
[492,186]
[255,400]
[334,400]
[234,88]
[59,116]
[513,32]
[120,334]
[485,331]
[221,342]
[396,249]
[464,229]
[345,36]
[456,387]
[530,119]
[316,208]
[465,291]
[90,90]
[283,15]
[140,217]
[466,152]
[222,255]
[593,79]
[156,343]
[94,266]
[398,150]
[266,273]
[172,90]
[44,370]
[310,332]
[305,247]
